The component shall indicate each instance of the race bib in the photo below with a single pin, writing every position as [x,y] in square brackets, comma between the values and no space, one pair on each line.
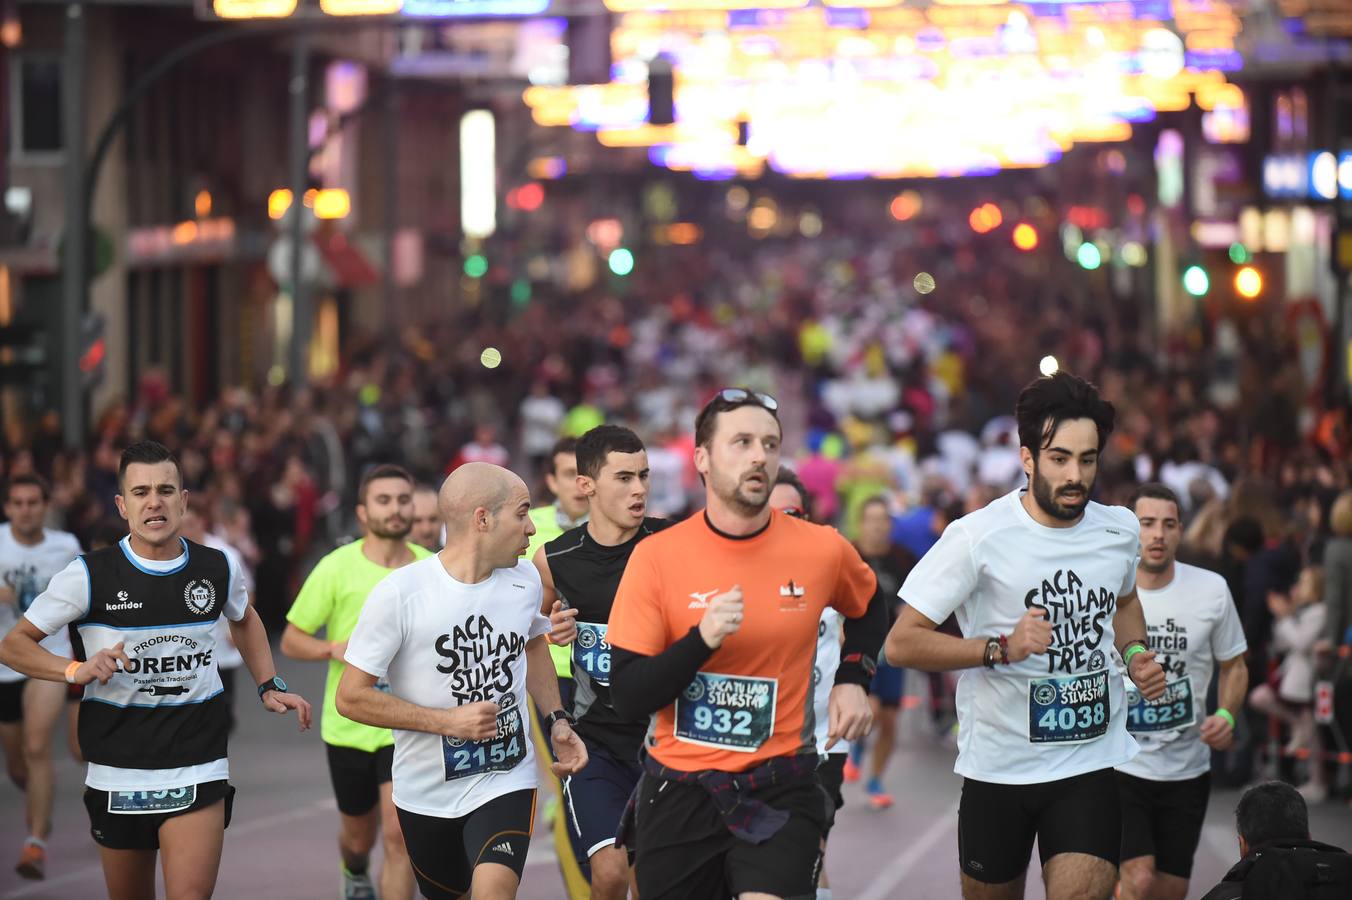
[1173,710]
[1068,709]
[591,653]
[732,712]
[149,802]
[502,753]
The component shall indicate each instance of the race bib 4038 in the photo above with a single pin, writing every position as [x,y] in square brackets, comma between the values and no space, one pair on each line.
[1068,709]
[502,753]
[732,712]
[1173,710]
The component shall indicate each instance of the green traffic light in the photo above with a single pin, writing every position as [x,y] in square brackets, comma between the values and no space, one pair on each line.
[1195,281]
[476,266]
[621,261]
[1239,254]
[1089,256]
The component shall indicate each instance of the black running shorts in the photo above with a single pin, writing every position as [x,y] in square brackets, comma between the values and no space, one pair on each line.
[357,776]
[444,852]
[11,701]
[997,823]
[1163,819]
[141,830]
[832,775]
[685,851]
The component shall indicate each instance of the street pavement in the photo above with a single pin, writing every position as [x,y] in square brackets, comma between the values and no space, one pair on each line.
[282,845]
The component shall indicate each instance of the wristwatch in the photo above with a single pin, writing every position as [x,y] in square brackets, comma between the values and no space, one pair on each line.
[274,683]
[555,716]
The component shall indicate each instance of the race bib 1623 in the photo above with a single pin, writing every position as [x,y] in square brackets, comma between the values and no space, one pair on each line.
[732,712]
[1068,709]
[591,653]
[1172,711]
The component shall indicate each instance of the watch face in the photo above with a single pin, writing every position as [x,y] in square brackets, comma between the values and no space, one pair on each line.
[281,685]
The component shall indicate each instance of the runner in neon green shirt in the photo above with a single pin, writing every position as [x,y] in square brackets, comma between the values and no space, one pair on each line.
[568,510]
[359,756]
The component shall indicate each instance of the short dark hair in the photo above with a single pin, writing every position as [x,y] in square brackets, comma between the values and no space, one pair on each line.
[562,445]
[790,477]
[148,453]
[594,446]
[1246,533]
[1153,490]
[32,479]
[1051,400]
[707,420]
[875,500]
[1272,811]
[376,472]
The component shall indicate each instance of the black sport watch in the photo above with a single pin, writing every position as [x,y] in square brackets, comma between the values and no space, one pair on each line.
[275,683]
[555,716]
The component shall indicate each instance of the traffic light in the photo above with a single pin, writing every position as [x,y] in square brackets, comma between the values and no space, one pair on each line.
[1196,281]
[621,261]
[1248,283]
[93,350]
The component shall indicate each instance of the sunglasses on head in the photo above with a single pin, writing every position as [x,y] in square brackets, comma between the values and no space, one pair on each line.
[740,395]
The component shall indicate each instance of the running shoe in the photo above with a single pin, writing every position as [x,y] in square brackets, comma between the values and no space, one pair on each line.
[32,862]
[358,887]
[878,798]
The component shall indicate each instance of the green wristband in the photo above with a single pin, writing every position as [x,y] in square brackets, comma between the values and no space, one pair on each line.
[1226,715]
[1136,647]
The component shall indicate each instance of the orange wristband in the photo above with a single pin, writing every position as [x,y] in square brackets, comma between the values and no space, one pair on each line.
[71,670]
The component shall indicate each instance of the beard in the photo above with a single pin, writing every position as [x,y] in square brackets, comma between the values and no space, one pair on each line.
[1157,569]
[737,497]
[1046,500]
[385,531]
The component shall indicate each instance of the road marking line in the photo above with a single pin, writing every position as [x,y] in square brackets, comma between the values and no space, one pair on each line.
[884,885]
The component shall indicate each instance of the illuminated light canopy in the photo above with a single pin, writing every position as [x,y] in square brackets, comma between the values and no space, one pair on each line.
[478,174]
[841,91]
[253,9]
[1195,281]
[1248,283]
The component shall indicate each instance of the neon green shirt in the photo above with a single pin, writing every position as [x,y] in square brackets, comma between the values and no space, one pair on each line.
[332,598]
[548,527]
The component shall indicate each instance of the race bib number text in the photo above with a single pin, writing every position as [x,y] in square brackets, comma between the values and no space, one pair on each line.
[1068,709]
[148,802]
[502,753]
[591,653]
[1173,710]
[733,712]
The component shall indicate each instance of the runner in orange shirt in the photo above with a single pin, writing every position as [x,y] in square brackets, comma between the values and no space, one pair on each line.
[714,629]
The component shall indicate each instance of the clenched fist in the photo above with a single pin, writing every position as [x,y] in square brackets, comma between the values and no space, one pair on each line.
[722,618]
[102,666]
[562,625]
[1147,675]
[1033,634]
[473,721]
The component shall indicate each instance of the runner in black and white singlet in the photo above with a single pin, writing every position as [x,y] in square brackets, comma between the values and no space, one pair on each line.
[1043,582]
[459,638]
[153,724]
[1194,628]
[581,571]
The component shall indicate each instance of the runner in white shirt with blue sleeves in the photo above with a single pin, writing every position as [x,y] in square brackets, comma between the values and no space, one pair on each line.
[460,640]
[1043,583]
[1193,627]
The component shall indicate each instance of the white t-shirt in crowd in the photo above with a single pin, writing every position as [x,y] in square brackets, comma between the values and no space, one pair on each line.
[441,643]
[67,599]
[1053,715]
[824,676]
[26,570]
[1192,624]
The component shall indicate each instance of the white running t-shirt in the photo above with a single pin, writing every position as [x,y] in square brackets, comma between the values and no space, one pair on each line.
[1192,623]
[1053,715]
[26,570]
[441,643]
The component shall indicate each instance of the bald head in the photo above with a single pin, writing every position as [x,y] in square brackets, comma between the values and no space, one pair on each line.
[477,485]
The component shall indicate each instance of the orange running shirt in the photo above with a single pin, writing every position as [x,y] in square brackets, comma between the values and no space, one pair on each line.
[752,699]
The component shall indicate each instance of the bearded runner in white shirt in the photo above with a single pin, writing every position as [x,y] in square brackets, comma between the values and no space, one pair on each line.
[1043,582]
[1194,627]
[460,639]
